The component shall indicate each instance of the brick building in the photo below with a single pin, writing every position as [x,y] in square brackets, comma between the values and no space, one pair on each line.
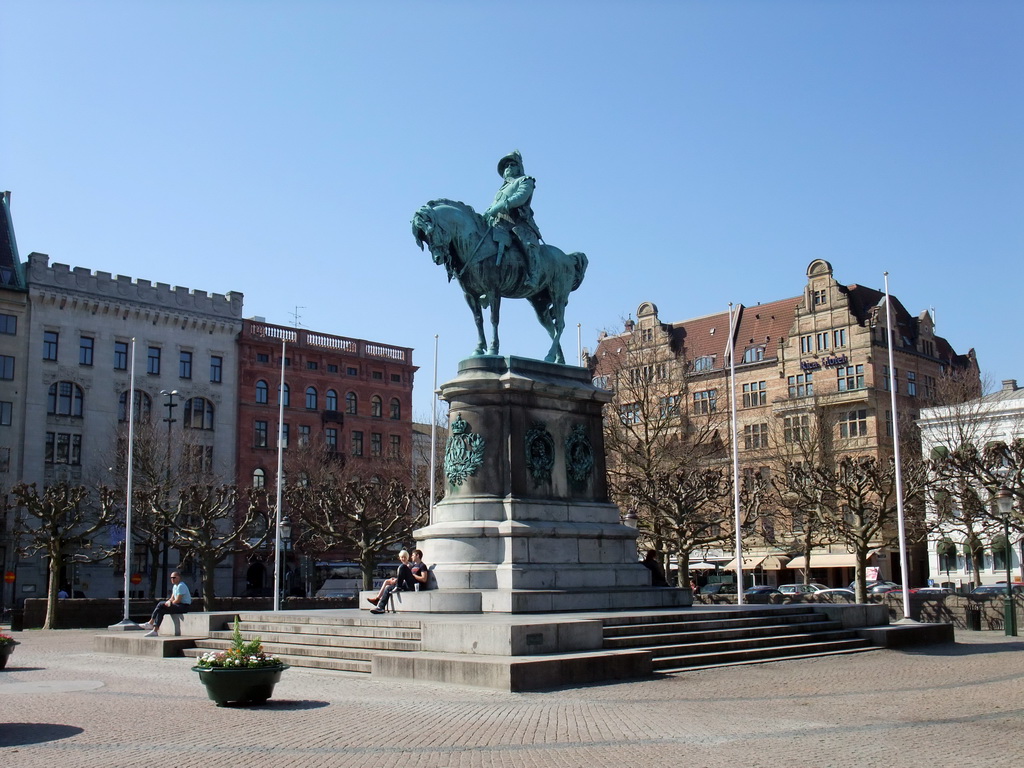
[817,361]
[350,396]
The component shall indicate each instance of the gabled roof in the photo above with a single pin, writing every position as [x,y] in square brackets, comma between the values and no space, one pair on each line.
[12,272]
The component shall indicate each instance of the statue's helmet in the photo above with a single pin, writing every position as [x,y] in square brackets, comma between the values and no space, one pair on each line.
[511,157]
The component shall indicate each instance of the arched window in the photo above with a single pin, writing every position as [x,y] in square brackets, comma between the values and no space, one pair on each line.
[332,400]
[376,407]
[262,392]
[286,399]
[198,414]
[351,403]
[65,399]
[259,478]
[311,398]
[946,551]
[143,407]
[396,408]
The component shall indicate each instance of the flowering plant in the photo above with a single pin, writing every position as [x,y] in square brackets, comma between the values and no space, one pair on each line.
[243,654]
[7,640]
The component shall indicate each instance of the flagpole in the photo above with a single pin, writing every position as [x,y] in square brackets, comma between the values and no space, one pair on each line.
[900,517]
[735,455]
[280,473]
[126,621]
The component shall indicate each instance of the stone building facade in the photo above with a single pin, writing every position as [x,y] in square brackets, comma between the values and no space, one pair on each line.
[816,361]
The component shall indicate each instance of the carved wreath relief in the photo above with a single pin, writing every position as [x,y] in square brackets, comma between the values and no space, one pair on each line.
[463,453]
[579,455]
[540,453]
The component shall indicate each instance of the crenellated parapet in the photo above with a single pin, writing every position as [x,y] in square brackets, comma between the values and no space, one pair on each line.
[112,294]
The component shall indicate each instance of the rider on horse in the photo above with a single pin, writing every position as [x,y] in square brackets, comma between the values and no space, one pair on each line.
[511,213]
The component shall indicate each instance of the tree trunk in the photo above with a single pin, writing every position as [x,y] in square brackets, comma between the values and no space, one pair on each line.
[683,569]
[209,590]
[51,592]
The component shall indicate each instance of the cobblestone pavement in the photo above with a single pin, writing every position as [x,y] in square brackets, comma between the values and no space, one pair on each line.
[61,704]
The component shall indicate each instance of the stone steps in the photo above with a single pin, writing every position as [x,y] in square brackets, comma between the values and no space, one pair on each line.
[711,639]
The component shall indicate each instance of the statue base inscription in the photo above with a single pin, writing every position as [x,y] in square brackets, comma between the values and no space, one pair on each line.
[526,525]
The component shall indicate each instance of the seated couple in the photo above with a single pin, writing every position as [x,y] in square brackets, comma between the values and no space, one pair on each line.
[409,575]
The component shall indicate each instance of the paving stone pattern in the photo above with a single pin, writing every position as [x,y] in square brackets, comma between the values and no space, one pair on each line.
[61,704]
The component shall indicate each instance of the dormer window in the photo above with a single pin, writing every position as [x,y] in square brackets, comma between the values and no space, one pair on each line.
[705,363]
[820,298]
[753,354]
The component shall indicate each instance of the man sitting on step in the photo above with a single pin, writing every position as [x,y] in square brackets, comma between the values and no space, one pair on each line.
[403,580]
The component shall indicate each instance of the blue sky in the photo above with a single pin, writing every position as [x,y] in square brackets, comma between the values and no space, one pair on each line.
[698,152]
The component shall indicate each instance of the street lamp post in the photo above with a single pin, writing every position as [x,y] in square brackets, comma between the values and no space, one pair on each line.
[1004,499]
[286,540]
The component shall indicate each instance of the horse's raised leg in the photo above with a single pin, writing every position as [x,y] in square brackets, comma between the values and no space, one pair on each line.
[478,318]
[558,324]
[495,314]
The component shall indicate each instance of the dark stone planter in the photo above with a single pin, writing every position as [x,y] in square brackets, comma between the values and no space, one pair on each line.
[5,654]
[243,686]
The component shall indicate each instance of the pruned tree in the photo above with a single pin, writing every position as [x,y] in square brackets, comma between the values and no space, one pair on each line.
[59,523]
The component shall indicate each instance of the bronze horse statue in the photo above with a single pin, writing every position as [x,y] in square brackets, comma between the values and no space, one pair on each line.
[461,239]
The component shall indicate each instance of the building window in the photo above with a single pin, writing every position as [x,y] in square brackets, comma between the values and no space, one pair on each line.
[753,354]
[153,361]
[259,478]
[376,444]
[260,437]
[216,369]
[303,434]
[143,407]
[630,413]
[262,392]
[705,363]
[377,375]
[50,339]
[376,407]
[352,371]
[6,413]
[839,338]
[357,443]
[705,401]
[199,458]
[332,368]
[311,398]
[755,393]
[311,365]
[806,345]
[6,367]
[850,378]
[331,400]
[198,413]
[331,439]
[801,385]
[286,394]
[185,365]
[911,384]
[9,324]
[85,345]
[854,423]
[262,357]
[395,449]
[65,399]
[820,298]
[63,448]
[888,424]
[396,409]
[885,378]
[351,403]
[120,355]
[668,407]
[284,435]
[396,378]
[796,429]
[821,340]
[755,436]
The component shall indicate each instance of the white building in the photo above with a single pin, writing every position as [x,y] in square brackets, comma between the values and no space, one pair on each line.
[997,417]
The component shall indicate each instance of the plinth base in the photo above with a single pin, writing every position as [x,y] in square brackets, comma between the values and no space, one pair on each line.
[535,600]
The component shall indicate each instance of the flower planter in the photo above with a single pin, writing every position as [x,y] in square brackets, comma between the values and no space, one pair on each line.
[244,686]
[5,653]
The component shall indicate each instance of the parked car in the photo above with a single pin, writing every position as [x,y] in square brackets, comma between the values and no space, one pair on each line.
[838,595]
[719,588]
[931,591]
[878,587]
[996,589]
[801,589]
[761,589]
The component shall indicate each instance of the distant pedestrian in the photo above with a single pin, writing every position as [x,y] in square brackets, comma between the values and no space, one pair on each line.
[653,563]
[180,601]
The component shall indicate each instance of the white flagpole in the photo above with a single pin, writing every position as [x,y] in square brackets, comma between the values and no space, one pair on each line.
[126,621]
[280,473]
[433,436]
[735,454]
[579,344]
[901,519]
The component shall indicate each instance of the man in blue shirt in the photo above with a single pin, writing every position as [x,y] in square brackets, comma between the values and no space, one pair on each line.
[180,601]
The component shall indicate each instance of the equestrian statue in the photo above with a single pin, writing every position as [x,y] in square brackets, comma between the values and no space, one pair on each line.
[502,255]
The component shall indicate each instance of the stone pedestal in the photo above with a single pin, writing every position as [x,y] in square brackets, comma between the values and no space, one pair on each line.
[527,511]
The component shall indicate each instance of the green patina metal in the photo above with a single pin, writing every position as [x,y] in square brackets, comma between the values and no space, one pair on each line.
[463,453]
[540,453]
[579,455]
[501,255]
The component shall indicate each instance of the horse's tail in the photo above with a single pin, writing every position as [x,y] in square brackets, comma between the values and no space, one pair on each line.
[580,260]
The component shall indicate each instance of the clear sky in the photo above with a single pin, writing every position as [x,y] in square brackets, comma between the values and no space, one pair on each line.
[698,152]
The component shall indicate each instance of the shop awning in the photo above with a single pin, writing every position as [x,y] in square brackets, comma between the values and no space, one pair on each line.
[702,566]
[749,563]
[827,560]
